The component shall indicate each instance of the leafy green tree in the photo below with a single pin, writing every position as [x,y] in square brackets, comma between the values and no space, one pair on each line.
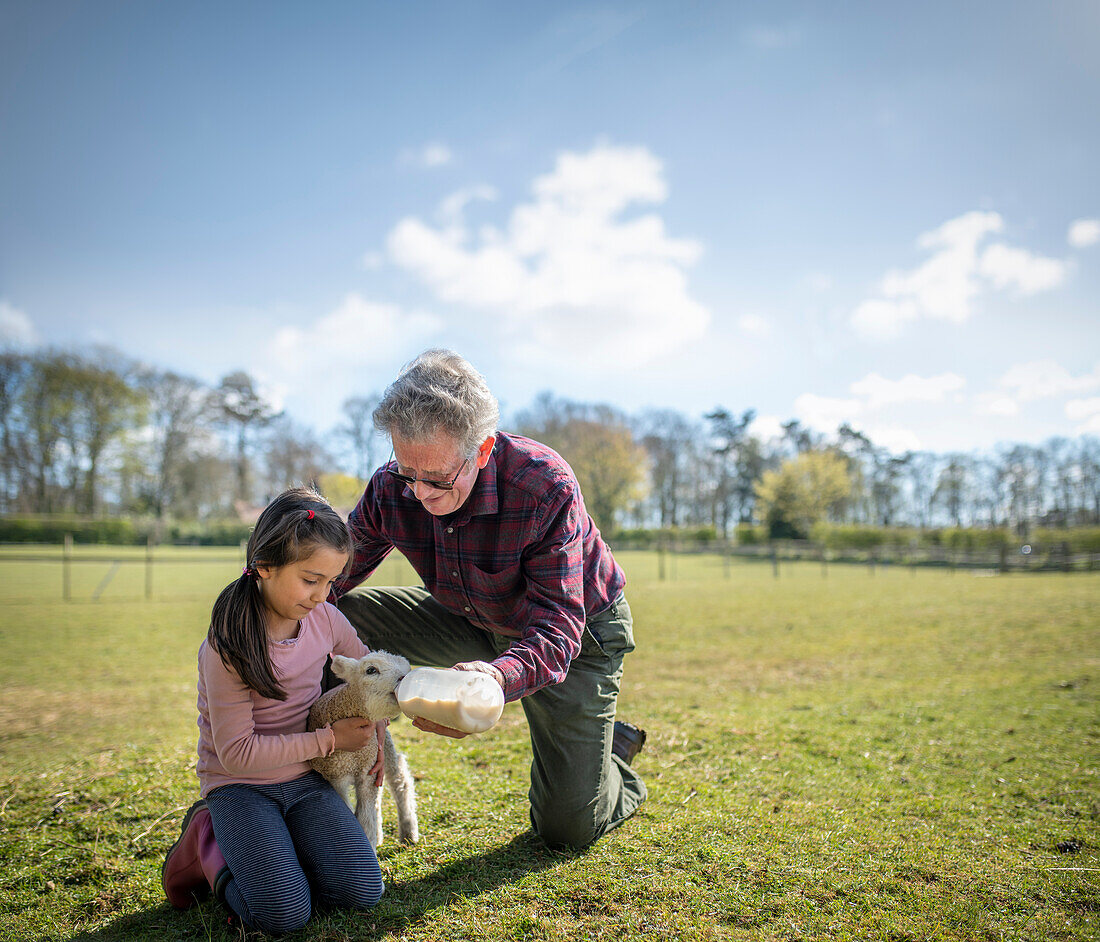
[812,486]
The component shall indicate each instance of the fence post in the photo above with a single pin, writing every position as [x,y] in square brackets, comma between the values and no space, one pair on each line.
[660,558]
[775,561]
[727,552]
[67,569]
[824,563]
[149,566]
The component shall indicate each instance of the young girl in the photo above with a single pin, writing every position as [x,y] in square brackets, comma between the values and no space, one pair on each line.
[288,839]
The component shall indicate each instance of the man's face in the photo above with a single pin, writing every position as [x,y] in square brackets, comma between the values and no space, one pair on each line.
[439,458]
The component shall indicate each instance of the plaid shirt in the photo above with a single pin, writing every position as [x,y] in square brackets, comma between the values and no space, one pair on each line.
[521,557]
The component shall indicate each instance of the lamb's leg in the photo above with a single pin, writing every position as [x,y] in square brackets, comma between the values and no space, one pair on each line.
[345,788]
[368,807]
[401,785]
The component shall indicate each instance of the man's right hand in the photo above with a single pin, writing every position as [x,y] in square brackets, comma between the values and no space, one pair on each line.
[429,727]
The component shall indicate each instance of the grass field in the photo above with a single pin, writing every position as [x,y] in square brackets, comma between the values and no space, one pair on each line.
[903,755]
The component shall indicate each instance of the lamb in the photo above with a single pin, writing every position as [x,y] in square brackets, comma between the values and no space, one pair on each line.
[368,691]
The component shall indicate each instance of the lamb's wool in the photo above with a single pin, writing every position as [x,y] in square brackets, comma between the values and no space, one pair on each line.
[368,691]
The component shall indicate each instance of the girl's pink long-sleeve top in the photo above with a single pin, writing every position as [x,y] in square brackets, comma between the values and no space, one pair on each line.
[247,738]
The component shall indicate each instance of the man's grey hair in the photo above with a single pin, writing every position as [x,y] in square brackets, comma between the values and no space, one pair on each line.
[439,391]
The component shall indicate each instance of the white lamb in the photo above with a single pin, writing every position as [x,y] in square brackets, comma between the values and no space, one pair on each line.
[368,691]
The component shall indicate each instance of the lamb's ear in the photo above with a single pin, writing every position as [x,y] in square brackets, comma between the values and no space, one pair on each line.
[343,667]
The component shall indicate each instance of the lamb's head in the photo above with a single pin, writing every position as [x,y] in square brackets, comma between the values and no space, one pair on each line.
[373,678]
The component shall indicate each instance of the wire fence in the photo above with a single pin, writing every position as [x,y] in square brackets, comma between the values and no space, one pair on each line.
[86,573]
[1024,558]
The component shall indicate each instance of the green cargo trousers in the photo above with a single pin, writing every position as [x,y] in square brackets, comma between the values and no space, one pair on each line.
[579,789]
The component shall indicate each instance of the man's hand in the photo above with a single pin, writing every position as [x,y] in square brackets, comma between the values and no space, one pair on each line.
[429,727]
[482,667]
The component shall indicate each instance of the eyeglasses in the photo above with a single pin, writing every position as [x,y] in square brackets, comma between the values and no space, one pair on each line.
[438,485]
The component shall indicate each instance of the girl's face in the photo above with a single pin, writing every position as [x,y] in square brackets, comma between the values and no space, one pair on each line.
[292,591]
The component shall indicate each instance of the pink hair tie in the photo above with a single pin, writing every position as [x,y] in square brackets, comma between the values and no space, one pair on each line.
[248,571]
[310,512]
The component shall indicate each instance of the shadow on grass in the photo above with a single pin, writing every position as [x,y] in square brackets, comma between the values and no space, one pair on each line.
[402,905]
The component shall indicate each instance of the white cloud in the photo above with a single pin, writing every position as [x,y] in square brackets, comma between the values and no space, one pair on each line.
[1083,233]
[879,319]
[766,427]
[427,157]
[825,413]
[947,285]
[754,325]
[1042,379]
[321,364]
[451,209]
[1086,413]
[357,331]
[878,391]
[1007,267]
[1078,409]
[894,439]
[996,404]
[15,327]
[568,274]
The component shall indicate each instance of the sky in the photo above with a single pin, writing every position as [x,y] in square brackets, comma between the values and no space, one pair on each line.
[877,213]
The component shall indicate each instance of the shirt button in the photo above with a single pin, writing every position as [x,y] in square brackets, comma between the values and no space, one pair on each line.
[450,529]
[454,572]
[468,608]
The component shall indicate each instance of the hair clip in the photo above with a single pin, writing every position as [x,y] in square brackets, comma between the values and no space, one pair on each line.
[249,571]
[310,512]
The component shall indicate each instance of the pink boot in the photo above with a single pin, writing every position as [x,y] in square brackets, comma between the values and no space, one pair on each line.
[194,866]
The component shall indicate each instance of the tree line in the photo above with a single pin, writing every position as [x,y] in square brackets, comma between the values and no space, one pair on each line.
[94,432]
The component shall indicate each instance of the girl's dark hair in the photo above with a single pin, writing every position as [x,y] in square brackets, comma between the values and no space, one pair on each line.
[290,528]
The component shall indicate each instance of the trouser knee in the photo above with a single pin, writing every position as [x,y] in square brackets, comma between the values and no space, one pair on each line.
[282,916]
[568,832]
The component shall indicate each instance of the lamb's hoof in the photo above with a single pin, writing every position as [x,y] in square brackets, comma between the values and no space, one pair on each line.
[627,741]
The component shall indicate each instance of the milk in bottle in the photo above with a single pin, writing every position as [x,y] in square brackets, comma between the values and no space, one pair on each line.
[464,700]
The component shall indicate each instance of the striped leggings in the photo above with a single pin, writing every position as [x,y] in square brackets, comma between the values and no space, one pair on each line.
[290,846]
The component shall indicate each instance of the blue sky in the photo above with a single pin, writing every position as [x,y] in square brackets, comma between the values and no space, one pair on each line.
[881,213]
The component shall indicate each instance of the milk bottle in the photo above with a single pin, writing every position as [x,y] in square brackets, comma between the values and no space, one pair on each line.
[465,700]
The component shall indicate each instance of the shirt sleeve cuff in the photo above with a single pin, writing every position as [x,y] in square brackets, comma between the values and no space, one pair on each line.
[326,741]
[513,671]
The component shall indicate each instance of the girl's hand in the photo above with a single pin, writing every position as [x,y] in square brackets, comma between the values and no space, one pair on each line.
[352,733]
[377,768]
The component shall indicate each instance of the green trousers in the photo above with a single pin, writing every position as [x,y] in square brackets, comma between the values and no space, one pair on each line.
[579,789]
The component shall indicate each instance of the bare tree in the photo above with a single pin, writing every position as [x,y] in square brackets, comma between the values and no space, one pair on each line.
[244,411]
[670,440]
[729,435]
[293,455]
[360,433]
[179,409]
[599,445]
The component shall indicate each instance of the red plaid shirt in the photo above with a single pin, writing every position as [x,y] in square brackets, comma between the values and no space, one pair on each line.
[521,557]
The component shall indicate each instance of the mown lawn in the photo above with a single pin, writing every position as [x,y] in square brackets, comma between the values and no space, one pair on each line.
[905,755]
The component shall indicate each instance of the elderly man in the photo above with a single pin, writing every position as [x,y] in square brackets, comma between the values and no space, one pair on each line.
[518,584]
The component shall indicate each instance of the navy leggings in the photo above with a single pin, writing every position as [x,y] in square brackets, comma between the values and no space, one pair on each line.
[290,846]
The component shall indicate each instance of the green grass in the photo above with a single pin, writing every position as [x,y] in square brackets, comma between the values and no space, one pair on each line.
[893,756]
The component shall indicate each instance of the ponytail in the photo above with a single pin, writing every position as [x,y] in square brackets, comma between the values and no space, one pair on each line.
[238,632]
[290,528]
